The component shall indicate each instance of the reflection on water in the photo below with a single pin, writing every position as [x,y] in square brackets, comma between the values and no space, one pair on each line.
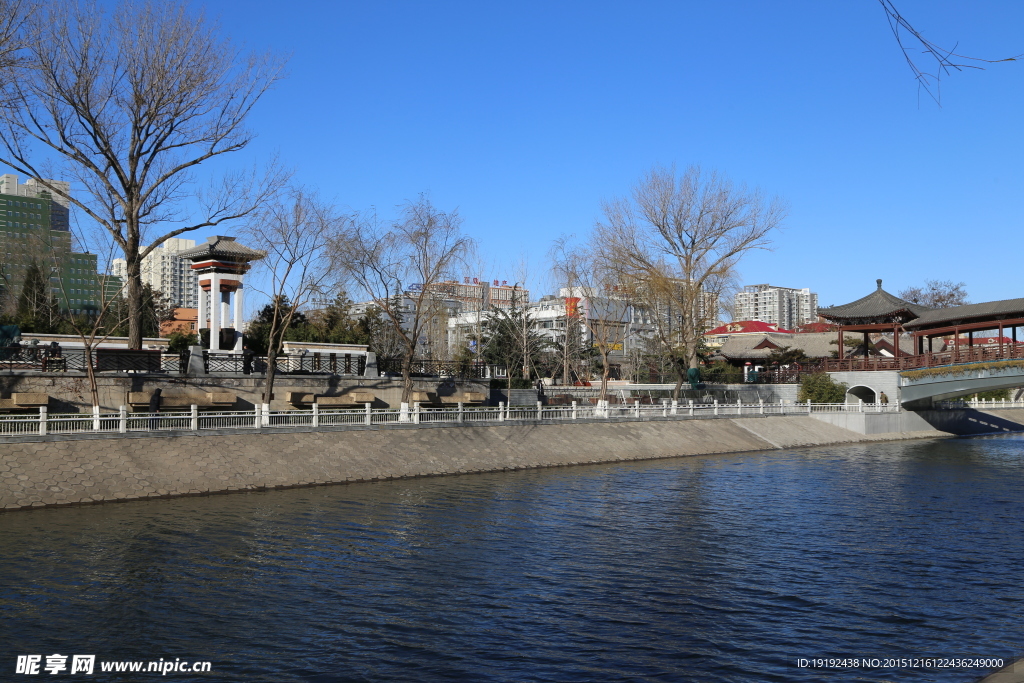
[723,568]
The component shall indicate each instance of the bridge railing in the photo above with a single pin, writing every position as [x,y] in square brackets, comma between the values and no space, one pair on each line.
[980,404]
[970,354]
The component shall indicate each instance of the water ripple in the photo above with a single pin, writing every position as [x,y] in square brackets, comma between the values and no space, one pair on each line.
[724,568]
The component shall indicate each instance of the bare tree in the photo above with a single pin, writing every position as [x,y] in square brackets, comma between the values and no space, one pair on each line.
[675,242]
[296,231]
[601,305]
[126,103]
[95,327]
[937,294]
[397,266]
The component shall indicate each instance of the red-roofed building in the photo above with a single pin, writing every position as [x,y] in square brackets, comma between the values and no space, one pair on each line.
[810,328]
[718,336]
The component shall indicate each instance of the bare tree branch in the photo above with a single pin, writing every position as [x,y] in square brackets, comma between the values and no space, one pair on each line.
[944,60]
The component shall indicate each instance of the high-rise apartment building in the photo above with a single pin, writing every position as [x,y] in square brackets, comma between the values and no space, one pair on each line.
[167,272]
[785,307]
[35,228]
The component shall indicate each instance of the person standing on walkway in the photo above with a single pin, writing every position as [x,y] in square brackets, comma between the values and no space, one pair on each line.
[883,399]
[154,409]
[247,356]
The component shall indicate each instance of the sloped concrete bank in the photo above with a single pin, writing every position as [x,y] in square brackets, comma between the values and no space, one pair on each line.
[84,469]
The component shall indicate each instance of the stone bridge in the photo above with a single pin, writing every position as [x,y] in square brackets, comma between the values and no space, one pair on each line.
[920,388]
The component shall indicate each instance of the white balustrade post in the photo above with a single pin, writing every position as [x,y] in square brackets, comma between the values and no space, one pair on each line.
[540,410]
[760,406]
[664,409]
[42,421]
[368,418]
[716,406]
[194,418]
[501,411]
[636,408]
[256,418]
[675,407]
[95,418]
[122,419]
[316,415]
[461,411]
[860,405]
[403,412]
[691,407]
[574,410]
[808,406]
[416,412]
[265,415]
[739,406]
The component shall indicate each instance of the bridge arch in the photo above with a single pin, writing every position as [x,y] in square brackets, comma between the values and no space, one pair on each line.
[861,392]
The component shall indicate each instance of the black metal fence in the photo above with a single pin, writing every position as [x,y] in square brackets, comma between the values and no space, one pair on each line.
[435,368]
[48,359]
[288,364]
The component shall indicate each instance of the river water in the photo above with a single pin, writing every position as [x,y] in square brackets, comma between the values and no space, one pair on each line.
[719,568]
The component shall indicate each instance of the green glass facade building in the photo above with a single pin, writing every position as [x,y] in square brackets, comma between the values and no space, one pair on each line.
[34,228]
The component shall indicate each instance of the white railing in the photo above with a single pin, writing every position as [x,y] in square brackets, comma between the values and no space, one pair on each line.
[980,404]
[194,420]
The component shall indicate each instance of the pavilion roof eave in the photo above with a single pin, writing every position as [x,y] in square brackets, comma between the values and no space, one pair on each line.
[966,327]
[857,323]
[992,312]
[877,308]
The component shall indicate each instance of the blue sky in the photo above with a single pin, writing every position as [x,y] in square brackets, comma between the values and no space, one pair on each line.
[526,115]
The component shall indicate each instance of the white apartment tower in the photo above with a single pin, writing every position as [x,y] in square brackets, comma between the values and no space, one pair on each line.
[164,270]
[786,307]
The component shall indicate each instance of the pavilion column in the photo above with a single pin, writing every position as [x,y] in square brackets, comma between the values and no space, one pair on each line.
[238,316]
[215,321]
[867,341]
[225,309]
[1000,340]
[841,353]
[201,317]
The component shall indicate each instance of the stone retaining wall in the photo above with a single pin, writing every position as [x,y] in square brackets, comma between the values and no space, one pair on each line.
[69,392]
[82,469]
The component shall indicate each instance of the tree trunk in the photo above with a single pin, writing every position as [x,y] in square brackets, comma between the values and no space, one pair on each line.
[90,373]
[680,374]
[605,371]
[410,354]
[268,389]
[134,298]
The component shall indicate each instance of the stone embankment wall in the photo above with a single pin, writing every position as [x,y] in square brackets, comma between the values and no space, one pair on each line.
[81,469]
[69,392]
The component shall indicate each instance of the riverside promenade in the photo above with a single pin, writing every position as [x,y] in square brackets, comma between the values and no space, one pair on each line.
[51,460]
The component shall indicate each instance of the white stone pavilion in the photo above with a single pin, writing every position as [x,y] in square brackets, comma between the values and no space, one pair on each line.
[220,264]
